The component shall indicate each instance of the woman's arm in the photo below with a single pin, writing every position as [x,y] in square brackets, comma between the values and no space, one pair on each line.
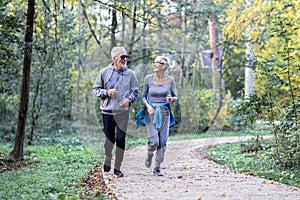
[145,95]
[173,97]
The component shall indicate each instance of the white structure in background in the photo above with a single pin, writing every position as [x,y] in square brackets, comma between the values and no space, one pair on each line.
[170,57]
[249,71]
[205,57]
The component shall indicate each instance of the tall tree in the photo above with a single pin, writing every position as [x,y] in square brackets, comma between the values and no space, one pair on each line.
[216,71]
[249,71]
[134,24]
[114,25]
[79,57]
[17,153]
[213,35]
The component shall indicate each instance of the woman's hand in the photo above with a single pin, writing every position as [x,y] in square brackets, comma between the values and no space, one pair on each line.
[150,109]
[171,99]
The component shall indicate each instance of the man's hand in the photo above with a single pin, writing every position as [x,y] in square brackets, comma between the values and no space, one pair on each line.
[125,102]
[112,92]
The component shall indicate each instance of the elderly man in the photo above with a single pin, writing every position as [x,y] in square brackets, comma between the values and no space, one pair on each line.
[117,86]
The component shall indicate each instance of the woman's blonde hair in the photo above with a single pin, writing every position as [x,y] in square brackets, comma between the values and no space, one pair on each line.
[164,60]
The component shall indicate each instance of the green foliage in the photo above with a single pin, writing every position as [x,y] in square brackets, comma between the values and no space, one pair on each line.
[50,105]
[57,174]
[65,53]
[8,116]
[276,98]
[233,70]
[10,43]
[186,111]
[282,125]
[10,54]
[254,157]
[234,118]
[287,151]
[135,141]
[249,109]
[207,135]
[206,109]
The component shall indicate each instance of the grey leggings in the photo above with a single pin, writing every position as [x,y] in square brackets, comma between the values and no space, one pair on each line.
[157,138]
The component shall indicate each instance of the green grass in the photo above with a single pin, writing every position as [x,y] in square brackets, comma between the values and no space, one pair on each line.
[210,134]
[134,141]
[48,172]
[259,162]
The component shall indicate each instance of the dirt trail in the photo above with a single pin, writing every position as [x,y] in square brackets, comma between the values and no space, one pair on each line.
[189,175]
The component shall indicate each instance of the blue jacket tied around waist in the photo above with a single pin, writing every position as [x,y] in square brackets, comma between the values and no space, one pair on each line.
[157,121]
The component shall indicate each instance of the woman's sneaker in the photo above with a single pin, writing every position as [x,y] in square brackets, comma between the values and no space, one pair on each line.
[118,173]
[157,172]
[148,160]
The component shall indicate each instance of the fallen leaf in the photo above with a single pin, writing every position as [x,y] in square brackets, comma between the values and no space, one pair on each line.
[113,185]
[196,179]
[110,192]
[203,170]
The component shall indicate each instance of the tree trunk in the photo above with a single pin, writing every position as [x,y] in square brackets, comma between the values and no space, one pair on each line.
[216,73]
[114,24]
[184,66]
[183,42]
[249,72]
[144,43]
[32,127]
[249,79]
[123,27]
[18,153]
[79,60]
[213,35]
[133,27]
[35,110]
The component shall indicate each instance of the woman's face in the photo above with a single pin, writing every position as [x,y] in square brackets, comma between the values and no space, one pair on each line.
[159,64]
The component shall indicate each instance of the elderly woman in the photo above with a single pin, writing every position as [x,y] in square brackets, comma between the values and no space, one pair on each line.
[158,92]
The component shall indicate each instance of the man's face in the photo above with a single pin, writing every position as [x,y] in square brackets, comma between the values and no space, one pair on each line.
[121,60]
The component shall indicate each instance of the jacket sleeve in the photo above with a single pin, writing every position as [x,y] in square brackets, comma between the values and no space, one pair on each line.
[134,88]
[98,88]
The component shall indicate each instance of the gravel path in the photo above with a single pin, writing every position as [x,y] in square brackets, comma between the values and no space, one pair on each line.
[190,175]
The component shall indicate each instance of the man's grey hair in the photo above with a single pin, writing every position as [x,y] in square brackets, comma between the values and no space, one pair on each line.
[117,51]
